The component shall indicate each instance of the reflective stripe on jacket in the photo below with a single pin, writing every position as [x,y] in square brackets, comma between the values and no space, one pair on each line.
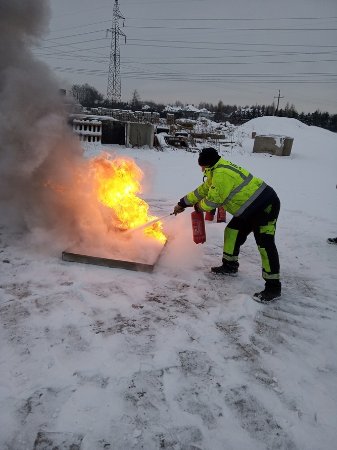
[226,185]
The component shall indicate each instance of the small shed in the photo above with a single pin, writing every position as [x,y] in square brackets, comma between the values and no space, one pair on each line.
[139,134]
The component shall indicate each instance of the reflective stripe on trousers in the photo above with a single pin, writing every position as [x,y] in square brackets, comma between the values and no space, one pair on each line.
[263,225]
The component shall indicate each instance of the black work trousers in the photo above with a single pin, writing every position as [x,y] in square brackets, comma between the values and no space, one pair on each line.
[262,222]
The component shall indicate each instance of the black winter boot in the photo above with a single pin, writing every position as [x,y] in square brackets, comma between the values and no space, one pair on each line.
[227,268]
[271,292]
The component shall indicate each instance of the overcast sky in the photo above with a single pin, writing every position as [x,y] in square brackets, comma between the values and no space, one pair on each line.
[238,51]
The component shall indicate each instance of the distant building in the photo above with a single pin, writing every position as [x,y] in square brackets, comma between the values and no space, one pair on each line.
[188,112]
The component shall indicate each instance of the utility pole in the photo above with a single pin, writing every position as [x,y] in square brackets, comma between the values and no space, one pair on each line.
[278,101]
[114,78]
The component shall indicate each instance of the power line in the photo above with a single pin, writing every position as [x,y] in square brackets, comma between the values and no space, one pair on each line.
[180,41]
[161,27]
[229,19]
[208,78]
[235,43]
[218,62]
[203,19]
[73,35]
[243,53]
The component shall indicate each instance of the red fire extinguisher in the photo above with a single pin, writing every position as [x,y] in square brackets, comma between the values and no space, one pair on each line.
[198,227]
[221,215]
[210,215]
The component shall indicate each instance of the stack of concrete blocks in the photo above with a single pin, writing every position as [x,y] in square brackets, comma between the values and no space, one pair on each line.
[273,144]
[130,116]
[170,119]
[155,117]
[88,130]
[124,115]
[147,117]
[138,116]
[115,113]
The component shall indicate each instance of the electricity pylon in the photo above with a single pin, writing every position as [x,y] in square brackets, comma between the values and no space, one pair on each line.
[114,78]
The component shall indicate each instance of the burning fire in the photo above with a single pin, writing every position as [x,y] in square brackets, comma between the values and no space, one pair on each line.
[117,183]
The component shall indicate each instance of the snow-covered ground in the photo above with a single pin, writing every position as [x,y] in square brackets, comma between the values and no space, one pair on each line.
[96,358]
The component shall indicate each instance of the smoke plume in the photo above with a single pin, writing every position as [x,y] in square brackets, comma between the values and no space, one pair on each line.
[38,154]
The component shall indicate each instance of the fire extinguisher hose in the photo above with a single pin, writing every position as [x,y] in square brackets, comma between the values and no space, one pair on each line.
[145,225]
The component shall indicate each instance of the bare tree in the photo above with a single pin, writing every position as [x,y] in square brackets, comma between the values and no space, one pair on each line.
[86,95]
[135,102]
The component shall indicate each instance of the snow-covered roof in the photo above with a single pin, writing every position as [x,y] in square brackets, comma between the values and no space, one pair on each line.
[169,108]
[191,108]
[187,108]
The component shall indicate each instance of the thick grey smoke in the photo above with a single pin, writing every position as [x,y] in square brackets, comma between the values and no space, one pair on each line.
[46,186]
[38,154]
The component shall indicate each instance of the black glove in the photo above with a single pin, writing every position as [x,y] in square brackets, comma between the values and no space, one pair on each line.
[178,209]
[197,208]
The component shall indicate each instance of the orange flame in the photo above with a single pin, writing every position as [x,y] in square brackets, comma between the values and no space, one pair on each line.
[117,183]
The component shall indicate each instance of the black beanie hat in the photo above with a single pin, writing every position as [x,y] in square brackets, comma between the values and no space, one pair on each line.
[208,157]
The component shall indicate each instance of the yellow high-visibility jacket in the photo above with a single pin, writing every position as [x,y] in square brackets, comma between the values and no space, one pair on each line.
[226,185]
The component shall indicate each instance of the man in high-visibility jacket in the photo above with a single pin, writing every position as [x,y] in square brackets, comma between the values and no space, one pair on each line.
[255,208]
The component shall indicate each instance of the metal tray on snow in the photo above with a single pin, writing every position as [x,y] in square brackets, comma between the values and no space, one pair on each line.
[107,262]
